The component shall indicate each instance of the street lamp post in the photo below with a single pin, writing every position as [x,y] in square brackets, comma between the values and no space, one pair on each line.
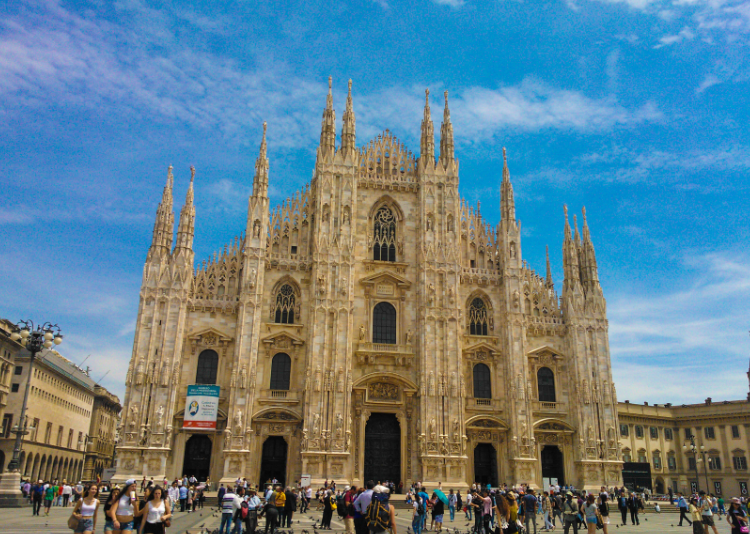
[34,339]
[692,448]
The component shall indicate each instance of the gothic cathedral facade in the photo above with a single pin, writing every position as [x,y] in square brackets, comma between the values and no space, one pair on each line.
[373,326]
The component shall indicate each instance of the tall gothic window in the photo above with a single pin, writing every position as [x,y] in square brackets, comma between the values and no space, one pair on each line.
[545,381]
[281,368]
[283,306]
[478,318]
[208,364]
[482,382]
[384,240]
[384,324]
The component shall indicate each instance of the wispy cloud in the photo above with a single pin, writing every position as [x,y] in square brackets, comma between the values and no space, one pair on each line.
[694,331]
[709,81]
[685,34]
[75,62]
[451,3]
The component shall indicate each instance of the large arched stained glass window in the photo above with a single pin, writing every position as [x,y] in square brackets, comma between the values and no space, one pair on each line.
[384,238]
[478,318]
[545,381]
[482,382]
[208,364]
[281,369]
[284,304]
[384,324]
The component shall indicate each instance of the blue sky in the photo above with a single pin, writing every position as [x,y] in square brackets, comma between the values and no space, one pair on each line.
[637,109]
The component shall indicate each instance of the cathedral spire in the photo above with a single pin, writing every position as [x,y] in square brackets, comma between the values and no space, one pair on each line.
[446,136]
[328,126]
[186,227]
[570,255]
[164,224]
[348,136]
[507,202]
[427,142]
[260,182]
[589,257]
[549,283]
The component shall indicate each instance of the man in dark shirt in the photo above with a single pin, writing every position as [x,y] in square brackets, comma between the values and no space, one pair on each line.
[290,505]
[529,506]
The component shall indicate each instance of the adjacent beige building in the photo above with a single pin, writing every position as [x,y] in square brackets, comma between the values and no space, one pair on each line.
[8,351]
[102,435]
[658,436]
[372,326]
[61,404]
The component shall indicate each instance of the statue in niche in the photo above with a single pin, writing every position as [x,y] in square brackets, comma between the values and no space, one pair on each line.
[238,421]
[256,229]
[243,378]
[316,424]
[145,434]
[512,250]
[318,378]
[159,417]
[456,429]
[253,275]
[168,437]
[339,425]
[133,416]
[431,429]
[431,293]
[429,223]
[451,295]
[344,282]
[362,333]
[408,337]
[340,381]
[516,299]
[139,372]
[233,379]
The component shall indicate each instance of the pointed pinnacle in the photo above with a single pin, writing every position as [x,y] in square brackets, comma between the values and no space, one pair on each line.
[192,173]
[446,112]
[505,157]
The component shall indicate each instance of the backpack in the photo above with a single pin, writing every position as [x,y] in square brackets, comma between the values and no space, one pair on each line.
[420,508]
[341,505]
[244,508]
[378,517]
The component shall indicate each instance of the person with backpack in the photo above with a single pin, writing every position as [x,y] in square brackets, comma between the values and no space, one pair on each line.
[417,517]
[349,497]
[329,505]
[381,515]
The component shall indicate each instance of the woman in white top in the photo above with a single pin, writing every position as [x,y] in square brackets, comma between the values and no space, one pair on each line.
[157,512]
[86,509]
[125,508]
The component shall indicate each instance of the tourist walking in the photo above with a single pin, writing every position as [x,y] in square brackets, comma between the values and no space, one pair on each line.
[125,508]
[230,503]
[86,510]
[570,514]
[590,512]
[109,518]
[604,511]
[529,507]
[547,511]
[707,515]
[682,504]
[695,515]
[156,512]
[737,517]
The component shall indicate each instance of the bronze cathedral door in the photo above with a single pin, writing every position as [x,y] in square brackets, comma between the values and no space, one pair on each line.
[383,448]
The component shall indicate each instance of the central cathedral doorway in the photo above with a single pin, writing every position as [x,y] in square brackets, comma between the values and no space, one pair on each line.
[273,461]
[198,457]
[485,465]
[383,448]
[552,464]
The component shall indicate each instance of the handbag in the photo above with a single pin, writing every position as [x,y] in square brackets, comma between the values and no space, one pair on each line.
[72,522]
[744,529]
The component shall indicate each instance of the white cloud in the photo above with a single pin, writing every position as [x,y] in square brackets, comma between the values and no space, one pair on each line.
[698,328]
[685,34]
[709,81]
[75,62]
[452,3]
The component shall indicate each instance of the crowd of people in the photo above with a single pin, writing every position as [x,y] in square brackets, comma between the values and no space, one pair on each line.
[367,509]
